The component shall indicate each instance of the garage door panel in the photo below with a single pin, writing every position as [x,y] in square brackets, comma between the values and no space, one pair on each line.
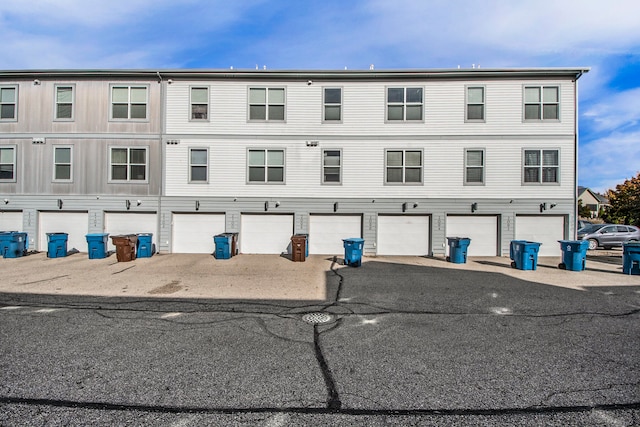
[129,223]
[403,235]
[327,231]
[542,229]
[11,221]
[265,234]
[482,230]
[193,233]
[75,224]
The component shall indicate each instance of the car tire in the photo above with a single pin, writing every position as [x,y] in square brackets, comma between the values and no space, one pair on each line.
[593,244]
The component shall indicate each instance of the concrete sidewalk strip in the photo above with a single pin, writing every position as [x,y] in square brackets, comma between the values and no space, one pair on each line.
[253,277]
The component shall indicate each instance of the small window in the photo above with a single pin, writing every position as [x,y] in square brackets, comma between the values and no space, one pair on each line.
[8,103]
[474,166]
[541,166]
[7,164]
[199,103]
[266,166]
[331,167]
[64,103]
[332,104]
[541,103]
[128,164]
[62,163]
[403,166]
[266,104]
[404,104]
[129,102]
[475,104]
[198,164]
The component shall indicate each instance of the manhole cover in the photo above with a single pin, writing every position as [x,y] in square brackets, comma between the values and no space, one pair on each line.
[316,318]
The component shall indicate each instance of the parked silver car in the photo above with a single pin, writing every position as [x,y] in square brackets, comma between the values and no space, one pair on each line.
[608,235]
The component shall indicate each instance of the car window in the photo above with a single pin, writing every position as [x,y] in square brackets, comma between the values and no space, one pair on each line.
[622,229]
[608,230]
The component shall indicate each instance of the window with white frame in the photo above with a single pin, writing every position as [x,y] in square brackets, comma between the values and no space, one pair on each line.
[266,103]
[331,166]
[474,166]
[128,164]
[62,161]
[403,166]
[332,104]
[64,102]
[266,166]
[198,165]
[475,103]
[199,103]
[541,166]
[7,164]
[129,102]
[541,103]
[404,103]
[8,102]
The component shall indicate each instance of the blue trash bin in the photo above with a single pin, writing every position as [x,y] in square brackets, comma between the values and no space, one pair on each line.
[353,251]
[574,254]
[57,245]
[524,254]
[631,258]
[97,243]
[13,244]
[145,245]
[458,249]
[223,246]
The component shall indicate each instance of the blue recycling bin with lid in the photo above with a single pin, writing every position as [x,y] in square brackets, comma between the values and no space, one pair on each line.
[223,246]
[13,244]
[574,254]
[524,254]
[353,251]
[631,258]
[144,245]
[458,249]
[97,243]
[5,240]
[57,245]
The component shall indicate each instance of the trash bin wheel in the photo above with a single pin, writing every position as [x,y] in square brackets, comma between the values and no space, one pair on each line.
[513,264]
[448,259]
[562,266]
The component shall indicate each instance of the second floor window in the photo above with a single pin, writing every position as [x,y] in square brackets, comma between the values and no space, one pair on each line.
[403,166]
[62,163]
[541,103]
[7,163]
[266,104]
[129,102]
[541,166]
[128,164]
[8,102]
[474,166]
[266,166]
[64,102]
[199,103]
[332,104]
[404,103]
[475,104]
[198,165]
[331,166]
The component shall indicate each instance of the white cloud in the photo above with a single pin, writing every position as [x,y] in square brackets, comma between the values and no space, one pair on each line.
[615,111]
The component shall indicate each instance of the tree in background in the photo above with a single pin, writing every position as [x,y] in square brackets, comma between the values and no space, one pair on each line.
[625,203]
[583,211]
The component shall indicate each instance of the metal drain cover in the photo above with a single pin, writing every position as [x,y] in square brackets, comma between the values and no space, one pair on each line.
[317,318]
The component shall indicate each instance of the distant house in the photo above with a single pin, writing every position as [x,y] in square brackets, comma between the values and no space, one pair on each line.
[594,201]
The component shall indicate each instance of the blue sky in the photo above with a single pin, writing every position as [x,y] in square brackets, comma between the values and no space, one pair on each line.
[333,34]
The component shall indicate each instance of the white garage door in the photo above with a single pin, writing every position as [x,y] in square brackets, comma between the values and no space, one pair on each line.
[11,221]
[482,230]
[403,235]
[327,231]
[116,223]
[75,224]
[543,229]
[265,234]
[193,233]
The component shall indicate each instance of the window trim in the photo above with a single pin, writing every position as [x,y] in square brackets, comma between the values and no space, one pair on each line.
[267,104]
[191,104]
[483,166]
[129,86]
[70,147]
[14,164]
[541,103]
[404,104]
[404,151]
[266,166]
[467,104]
[206,165]
[323,166]
[129,180]
[15,102]
[55,102]
[324,105]
[540,167]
